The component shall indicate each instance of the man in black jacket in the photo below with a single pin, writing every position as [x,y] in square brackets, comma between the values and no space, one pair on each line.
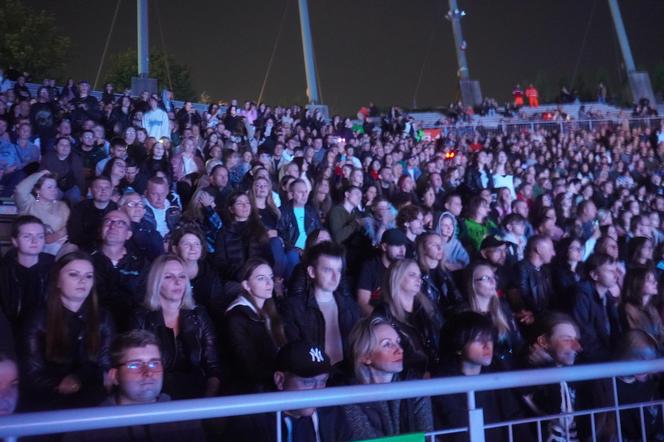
[119,273]
[300,366]
[596,309]
[533,293]
[478,176]
[85,218]
[298,219]
[24,271]
[324,316]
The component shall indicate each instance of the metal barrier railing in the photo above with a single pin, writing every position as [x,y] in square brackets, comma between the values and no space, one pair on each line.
[563,126]
[29,424]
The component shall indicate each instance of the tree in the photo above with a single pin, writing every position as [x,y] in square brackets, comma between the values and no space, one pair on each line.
[123,66]
[31,41]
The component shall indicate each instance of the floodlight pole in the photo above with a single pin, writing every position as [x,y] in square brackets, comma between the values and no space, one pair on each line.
[455,18]
[308,50]
[142,82]
[639,82]
[142,32]
[471,95]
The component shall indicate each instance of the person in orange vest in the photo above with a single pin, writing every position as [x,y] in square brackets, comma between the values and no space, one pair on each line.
[517,93]
[533,96]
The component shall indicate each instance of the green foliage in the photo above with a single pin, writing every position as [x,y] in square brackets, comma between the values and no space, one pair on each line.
[30,41]
[123,66]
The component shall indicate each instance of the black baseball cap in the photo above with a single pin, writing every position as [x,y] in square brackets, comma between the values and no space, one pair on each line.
[394,237]
[491,241]
[303,359]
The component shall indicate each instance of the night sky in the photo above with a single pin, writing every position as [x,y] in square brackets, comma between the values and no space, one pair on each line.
[368,49]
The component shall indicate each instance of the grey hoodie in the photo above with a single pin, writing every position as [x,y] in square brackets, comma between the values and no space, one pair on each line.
[455,253]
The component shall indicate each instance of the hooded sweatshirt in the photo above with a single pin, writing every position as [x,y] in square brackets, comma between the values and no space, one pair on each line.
[455,253]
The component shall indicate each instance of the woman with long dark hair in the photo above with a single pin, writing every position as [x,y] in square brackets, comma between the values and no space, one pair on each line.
[66,343]
[638,309]
[242,237]
[253,330]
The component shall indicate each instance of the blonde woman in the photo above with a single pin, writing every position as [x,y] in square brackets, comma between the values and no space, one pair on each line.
[412,314]
[185,331]
[260,195]
[483,298]
[378,358]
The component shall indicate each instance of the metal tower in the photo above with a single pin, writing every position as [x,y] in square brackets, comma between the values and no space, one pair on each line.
[639,82]
[471,94]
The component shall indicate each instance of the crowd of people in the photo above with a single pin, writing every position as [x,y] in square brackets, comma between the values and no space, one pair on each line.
[162,254]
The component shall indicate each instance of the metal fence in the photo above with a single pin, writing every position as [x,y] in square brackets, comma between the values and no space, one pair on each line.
[64,421]
[563,126]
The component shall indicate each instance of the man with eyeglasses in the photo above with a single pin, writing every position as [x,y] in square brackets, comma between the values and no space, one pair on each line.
[137,376]
[145,240]
[119,272]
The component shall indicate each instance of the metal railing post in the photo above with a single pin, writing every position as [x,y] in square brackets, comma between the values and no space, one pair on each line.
[475,419]
[279,432]
[616,404]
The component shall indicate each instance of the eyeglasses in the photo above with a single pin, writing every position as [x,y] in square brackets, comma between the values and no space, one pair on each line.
[134,204]
[115,222]
[153,365]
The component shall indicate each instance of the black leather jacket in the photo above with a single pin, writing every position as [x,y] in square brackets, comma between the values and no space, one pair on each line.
[419,338]
[287,225]
[234,244]
[440,288]
[197,333]
[43,375]
[535,287]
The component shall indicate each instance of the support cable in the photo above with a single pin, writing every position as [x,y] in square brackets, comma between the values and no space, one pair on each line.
[108,41]
[274,51]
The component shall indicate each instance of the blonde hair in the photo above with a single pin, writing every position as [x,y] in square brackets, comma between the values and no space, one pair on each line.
[363,342]
[155,279]
[495,309]
[269,200]
[391,291]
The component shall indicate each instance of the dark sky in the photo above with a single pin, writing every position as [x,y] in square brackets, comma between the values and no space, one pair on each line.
[369,49]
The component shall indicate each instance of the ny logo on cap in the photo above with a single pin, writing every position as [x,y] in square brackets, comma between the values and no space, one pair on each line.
[316,355]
